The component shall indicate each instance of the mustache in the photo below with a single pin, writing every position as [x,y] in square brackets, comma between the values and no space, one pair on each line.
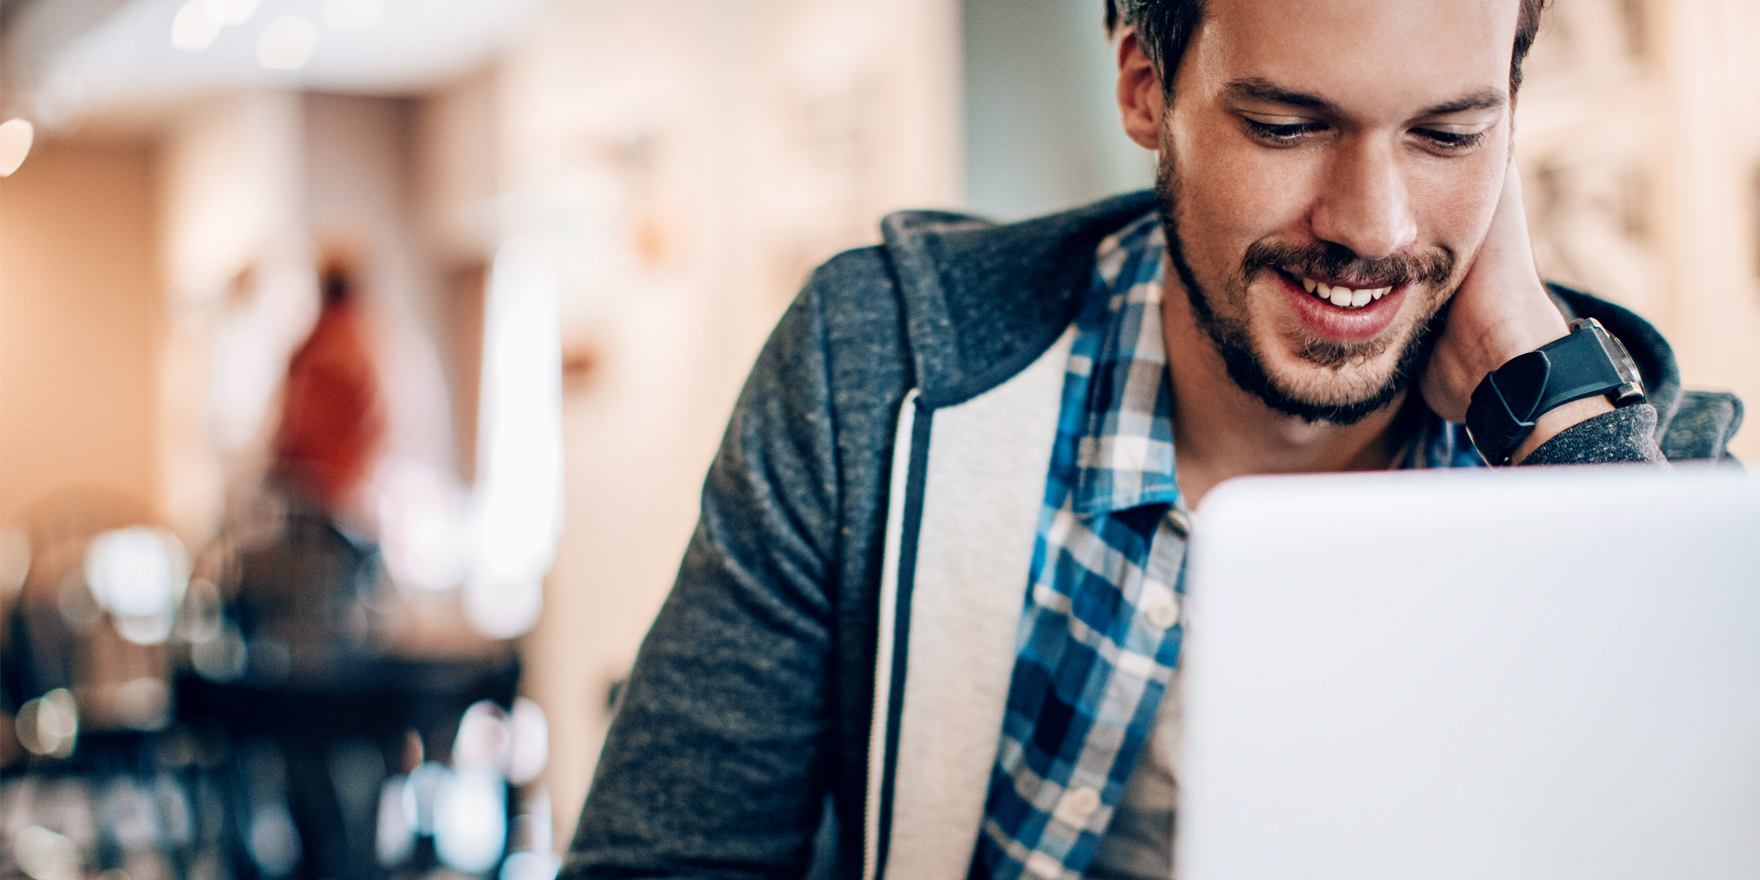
[1341,265]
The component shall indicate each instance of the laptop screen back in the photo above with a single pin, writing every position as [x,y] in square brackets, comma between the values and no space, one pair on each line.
[1548,674]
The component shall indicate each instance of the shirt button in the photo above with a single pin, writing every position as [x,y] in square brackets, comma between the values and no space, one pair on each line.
[1161,613]
[1077,805]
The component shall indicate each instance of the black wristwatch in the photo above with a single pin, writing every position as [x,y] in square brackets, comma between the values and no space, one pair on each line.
[1585,363]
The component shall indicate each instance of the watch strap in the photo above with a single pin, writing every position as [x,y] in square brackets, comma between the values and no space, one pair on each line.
[1504,405]
[1507,402]
[1580,368]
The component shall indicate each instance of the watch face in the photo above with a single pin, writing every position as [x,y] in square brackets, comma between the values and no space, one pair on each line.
[1632,391]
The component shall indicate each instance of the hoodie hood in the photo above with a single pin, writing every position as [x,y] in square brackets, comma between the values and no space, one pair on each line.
[983,300]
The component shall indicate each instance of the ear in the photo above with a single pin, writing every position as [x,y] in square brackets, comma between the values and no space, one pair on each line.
[1139,93]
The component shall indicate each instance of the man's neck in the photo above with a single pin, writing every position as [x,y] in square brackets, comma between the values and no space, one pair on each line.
[1221,431]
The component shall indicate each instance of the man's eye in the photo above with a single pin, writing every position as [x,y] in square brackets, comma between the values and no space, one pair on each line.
[1450,141]
[1279,134]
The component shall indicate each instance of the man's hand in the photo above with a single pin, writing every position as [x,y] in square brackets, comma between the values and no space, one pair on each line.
[1500,311]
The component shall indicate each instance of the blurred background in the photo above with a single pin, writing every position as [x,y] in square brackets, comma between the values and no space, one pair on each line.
[360,359]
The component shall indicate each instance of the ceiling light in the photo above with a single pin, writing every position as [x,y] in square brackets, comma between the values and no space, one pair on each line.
[15,143]
[287,43]
[352,15]
[197,23]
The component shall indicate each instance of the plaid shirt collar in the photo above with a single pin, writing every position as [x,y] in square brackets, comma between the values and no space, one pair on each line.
[1124,458]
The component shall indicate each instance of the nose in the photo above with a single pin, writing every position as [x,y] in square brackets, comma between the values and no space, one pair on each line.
[1365,203]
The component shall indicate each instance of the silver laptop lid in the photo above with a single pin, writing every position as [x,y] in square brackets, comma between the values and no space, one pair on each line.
[1547,674]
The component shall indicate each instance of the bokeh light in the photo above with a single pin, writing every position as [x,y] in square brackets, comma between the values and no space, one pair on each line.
[16,136]
[395,832]
[274,841]
[287,43]
[519,512]
[15,560]
[529,750]
[470,819]
[483,738]
[196,25]
[45,855]
[422,533]
[49,724]
[530,865]
[139,575]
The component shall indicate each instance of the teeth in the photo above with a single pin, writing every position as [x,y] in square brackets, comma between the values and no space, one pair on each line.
[1344,297]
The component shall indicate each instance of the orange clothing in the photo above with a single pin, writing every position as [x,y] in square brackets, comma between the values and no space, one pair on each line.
[331,418]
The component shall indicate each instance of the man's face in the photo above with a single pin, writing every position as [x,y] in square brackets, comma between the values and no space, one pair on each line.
[1348,148]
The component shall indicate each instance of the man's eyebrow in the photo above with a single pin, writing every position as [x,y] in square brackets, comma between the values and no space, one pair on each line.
[1489,99]
[1257,89]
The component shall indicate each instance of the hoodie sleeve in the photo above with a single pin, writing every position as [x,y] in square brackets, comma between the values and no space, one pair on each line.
[1625,435]
[720,756]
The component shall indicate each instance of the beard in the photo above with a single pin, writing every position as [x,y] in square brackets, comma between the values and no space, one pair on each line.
[1233,339]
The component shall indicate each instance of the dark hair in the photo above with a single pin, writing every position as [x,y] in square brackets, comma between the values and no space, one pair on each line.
[335,286]
[1165,28]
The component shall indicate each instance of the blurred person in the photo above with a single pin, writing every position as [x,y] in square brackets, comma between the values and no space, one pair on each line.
[303,589]
[332,419]
[937,575]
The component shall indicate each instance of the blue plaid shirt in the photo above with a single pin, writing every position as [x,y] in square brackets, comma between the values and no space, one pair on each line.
[1101,630]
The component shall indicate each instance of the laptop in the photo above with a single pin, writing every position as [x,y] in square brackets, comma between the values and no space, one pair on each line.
[1522,674]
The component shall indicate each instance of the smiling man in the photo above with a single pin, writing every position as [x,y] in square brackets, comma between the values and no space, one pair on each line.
[929,623]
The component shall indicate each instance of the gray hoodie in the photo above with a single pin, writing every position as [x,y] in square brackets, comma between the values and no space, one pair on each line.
[743,741]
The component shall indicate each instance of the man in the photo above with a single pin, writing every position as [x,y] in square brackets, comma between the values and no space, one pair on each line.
[937,576]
